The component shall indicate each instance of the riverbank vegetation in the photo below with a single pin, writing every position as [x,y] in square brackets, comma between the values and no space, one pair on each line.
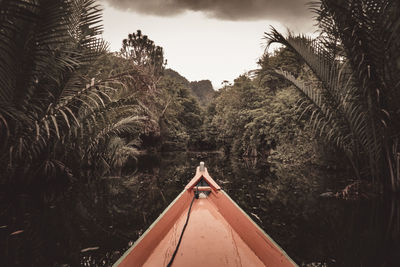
[354,100]
[347,90]
[318,120]
[72,110]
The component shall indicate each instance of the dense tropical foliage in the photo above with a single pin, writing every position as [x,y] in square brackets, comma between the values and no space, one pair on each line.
[355,99]
[52,99]
[70,109]
[250,120]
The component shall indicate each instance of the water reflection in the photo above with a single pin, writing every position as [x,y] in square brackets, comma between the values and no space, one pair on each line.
[93,225]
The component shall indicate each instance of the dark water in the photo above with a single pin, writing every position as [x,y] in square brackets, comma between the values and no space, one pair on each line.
[95,224]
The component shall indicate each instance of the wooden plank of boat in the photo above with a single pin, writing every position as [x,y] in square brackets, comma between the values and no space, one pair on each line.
[218,233]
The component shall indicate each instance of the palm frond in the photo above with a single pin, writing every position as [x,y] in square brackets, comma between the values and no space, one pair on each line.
[337,103]
[356,61]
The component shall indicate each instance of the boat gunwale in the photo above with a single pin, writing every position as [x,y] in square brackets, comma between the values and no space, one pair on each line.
[259,228]
[128,251]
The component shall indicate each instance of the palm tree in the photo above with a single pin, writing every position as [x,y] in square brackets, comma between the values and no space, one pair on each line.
[356,102]
[58,109]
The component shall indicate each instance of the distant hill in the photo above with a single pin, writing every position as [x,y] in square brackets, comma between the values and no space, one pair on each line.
[202,90]
[174,74]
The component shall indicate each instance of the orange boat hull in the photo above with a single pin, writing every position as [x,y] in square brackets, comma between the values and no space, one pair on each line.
[218,234]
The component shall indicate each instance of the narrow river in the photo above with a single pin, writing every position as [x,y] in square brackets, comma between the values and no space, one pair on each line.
[95,224]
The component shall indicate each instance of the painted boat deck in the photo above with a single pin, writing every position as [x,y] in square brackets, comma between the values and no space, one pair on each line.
[219,233]
[209,240]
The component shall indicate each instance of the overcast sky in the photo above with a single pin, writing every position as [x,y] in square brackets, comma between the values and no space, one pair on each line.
[205,39]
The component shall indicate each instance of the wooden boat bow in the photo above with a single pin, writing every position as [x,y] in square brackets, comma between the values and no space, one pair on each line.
[219,233]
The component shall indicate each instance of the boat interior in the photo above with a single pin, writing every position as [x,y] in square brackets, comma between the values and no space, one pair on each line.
[217,233]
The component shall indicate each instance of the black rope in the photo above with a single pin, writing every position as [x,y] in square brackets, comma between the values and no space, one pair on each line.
[183,230]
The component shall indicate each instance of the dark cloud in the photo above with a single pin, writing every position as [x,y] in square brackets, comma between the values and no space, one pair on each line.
[288,12]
